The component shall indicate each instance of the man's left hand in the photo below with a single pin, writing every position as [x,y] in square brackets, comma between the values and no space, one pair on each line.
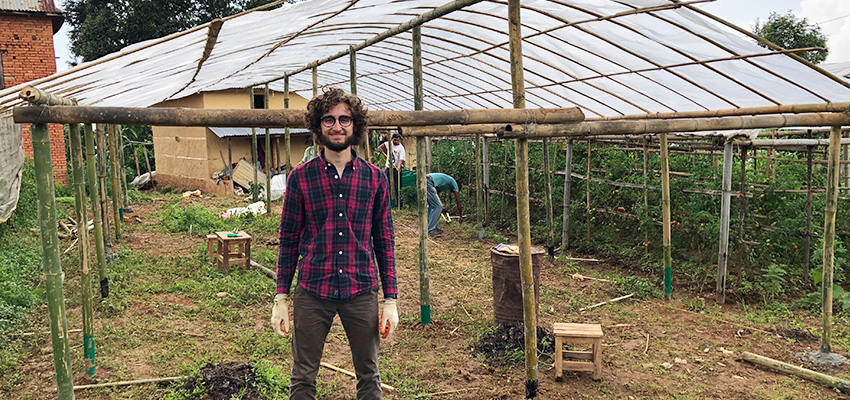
[389,318]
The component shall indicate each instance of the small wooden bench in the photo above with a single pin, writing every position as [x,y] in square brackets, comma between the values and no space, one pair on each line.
[578,334]
[228,250]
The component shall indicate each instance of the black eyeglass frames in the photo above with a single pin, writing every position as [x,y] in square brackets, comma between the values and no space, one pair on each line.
[344,121]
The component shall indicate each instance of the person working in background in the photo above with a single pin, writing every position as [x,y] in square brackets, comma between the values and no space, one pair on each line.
[395,161]
[336,230]
[437,183]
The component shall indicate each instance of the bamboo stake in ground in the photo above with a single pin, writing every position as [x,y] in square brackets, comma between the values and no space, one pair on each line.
[421,185]
[840,384]
[829,238]
[547,191]
[103,151]
[568,172]
[725,206]
[606,302]
[286,134]
[94,192]
[479,190]
[255,192]
[351,374]
[125,383]
[83,237]
[127,207]
[116,186]
[269,153]
[665,209]
[50,259]
[809,195]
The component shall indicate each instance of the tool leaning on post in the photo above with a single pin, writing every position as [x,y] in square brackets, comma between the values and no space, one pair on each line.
[339,251]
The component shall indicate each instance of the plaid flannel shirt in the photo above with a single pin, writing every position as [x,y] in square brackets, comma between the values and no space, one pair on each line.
[339,226]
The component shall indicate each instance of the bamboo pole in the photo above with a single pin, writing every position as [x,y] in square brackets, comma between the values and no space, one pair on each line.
[523,222]
[254,155]
[809,195]
[94,192]
[829,238]
[421,185]
[665,209]
[103,152]
[587,193]
[547,191]
[725,206]
[126,383]
[568,172]
[845,170]
[287,117]
[485,160]
[83,236]
[269,153]
[841,385]
[136,155]
[645,195]
[127,207]
[479,192]
[148,162]
[50,259]
[742,211]
[286,134]
[502,199]
[116,186]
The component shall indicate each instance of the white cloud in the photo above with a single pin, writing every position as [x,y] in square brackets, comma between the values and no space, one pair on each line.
[834,19]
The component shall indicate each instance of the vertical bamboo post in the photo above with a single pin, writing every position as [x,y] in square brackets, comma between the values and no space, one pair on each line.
[547,190]
[504,201]
[103,150]
[809,198]
[769,164]
[421,185]
[742,211]
[287,138]
[136,156]
[83,238]
[725,205]
[269,153]
[645,194]
[50,259]
[123,177]
[523,221]
[479,192]
[352,78]
[587,193]
[254,155]
[116,186]
[485,160]
[148,162]
[277,152]
[829,237]
[845,168]
[665,207]
[568,175]
[315,71]
[94,192]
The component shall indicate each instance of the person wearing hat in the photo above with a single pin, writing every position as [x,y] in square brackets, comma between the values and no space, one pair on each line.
[336,231]
[395,162]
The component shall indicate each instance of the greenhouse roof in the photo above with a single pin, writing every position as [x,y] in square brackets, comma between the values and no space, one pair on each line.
[608,57]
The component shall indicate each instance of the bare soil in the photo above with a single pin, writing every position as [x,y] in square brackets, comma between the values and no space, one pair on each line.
[652,348]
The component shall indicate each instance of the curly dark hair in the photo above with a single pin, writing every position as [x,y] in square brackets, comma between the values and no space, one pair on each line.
[330,97]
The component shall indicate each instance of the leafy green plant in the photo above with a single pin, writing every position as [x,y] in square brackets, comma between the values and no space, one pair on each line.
[272,382]
[771,282]
[642,288]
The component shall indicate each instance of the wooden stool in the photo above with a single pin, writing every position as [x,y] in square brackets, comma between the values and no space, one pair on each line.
[212,245]
[582,334]
[232,249]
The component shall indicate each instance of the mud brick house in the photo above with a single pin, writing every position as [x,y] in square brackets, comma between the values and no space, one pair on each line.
[26,53]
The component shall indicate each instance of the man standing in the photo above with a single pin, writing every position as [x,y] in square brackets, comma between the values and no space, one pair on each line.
[336,217]
[395,161]
[436,183]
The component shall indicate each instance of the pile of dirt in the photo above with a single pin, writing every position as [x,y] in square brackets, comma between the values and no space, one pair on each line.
[506,345]
[224,382]
[798,335]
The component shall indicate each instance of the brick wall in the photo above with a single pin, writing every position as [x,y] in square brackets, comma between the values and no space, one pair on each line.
[26,45]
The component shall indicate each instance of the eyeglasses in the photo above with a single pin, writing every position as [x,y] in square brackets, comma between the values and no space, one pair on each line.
[344,121]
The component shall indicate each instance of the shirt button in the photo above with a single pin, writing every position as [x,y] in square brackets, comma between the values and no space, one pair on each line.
[340,195]
[336,176]
[340,252]
[340,233]
[340,214]
[340,271]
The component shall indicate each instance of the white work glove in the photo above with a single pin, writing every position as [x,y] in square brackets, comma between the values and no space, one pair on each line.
[280,315]
[389,318]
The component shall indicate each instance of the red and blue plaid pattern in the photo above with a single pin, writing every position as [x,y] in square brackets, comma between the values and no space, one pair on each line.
[339,226]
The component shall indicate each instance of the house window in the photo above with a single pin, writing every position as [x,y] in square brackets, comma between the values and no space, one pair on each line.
[259,100]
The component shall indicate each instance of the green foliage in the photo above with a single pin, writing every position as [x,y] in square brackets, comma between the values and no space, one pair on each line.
[272,382]
[195,219]
[771,282]
[642,288]
[789,32]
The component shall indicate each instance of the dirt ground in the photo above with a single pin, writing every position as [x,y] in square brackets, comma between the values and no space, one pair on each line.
[652,348]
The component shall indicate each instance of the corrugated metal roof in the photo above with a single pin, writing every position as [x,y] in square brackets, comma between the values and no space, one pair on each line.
[41,6]
[240,132]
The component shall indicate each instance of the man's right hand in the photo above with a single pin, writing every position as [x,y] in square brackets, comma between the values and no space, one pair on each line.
[280,315]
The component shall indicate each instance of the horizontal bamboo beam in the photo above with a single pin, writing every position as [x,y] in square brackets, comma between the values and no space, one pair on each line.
[787,142]
[731,112]
[40,97]
[293,118]
[635,127]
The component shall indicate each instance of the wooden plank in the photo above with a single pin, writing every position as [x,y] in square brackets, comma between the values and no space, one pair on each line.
[243,174]
[580,355]
[578,366]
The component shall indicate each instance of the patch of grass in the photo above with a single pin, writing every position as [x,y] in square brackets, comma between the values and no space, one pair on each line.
[643,288]
[272,382]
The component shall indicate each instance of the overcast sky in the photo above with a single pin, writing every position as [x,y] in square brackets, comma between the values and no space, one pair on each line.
[833,16]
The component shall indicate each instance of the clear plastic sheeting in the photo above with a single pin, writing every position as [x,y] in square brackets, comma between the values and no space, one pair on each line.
[11,165]
[608,57]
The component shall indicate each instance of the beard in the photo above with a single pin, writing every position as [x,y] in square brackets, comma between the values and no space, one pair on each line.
[337,147]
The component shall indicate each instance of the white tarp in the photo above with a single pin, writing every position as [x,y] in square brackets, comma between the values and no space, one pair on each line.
[609,57]
[11,164]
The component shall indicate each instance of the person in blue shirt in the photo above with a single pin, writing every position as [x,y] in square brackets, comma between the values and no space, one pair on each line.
[437,183]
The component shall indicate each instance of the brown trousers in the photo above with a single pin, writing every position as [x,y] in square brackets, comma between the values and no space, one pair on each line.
[312,322]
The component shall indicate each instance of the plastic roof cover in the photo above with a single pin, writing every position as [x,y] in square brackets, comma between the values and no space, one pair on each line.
[224,132]
[609,57]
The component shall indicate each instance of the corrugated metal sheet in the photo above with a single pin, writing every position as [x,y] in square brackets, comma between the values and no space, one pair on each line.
[240,132]
[40,6]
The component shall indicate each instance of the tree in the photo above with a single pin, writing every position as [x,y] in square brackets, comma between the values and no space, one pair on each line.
[101,27]
[790,32]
